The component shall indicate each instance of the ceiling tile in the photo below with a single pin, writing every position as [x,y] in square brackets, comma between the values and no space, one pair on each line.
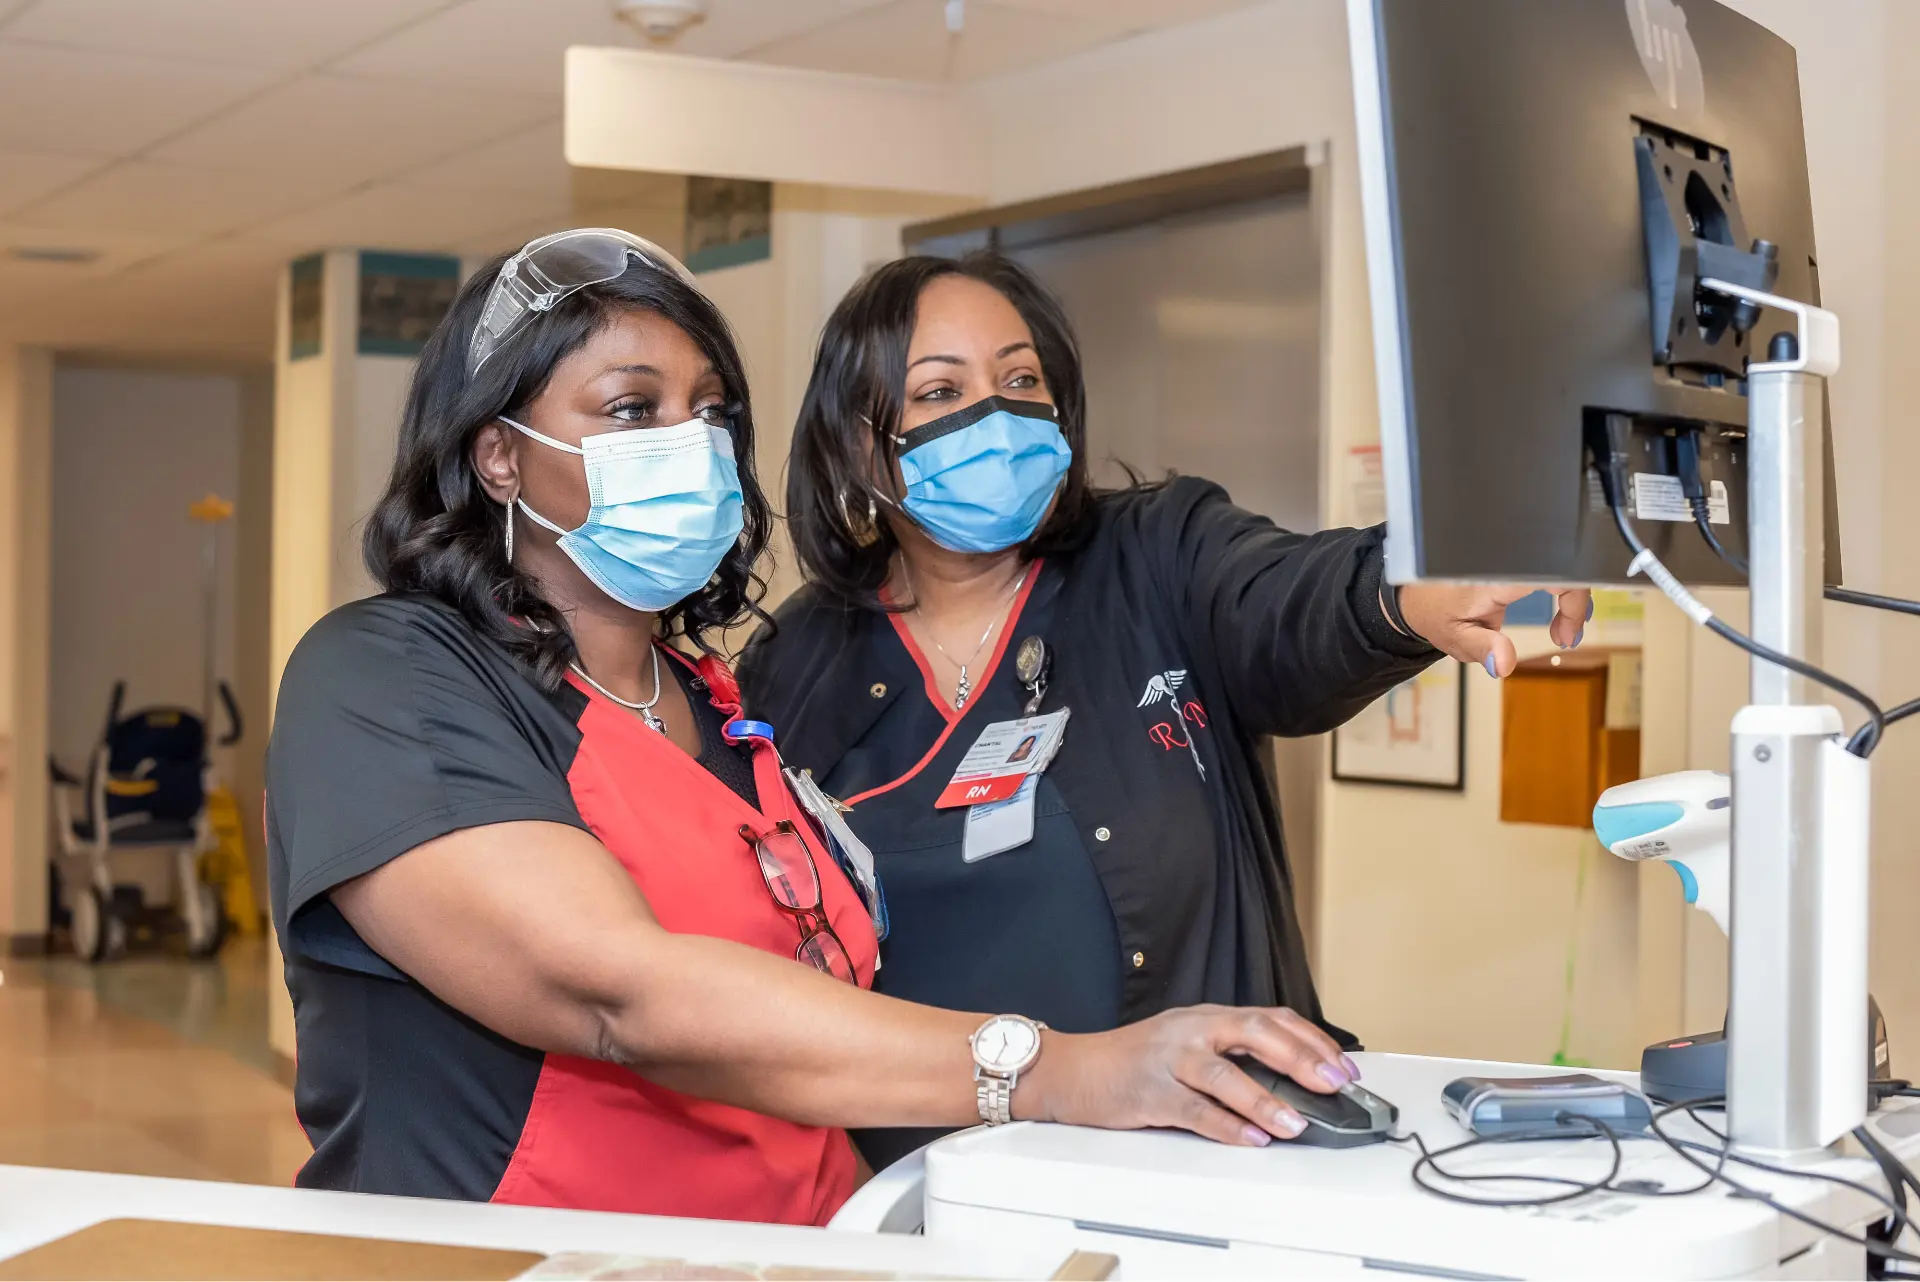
[532,159]
[170,199]
[100,104]
[27,175]
[390,216]
[908,39]
[522,44]
[1124,17]
[345,131]
[276,35]
[734,28]
[115,251]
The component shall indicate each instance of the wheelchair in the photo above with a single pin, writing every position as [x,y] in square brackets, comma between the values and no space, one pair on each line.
[145,789]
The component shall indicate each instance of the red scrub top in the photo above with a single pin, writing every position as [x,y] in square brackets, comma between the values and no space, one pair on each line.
[396,724]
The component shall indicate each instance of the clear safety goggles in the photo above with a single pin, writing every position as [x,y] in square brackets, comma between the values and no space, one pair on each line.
[550,269]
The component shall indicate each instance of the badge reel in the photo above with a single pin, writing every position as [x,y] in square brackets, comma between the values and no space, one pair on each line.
[999,778]
[847,849]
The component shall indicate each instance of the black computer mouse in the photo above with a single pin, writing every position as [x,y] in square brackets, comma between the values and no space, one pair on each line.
[1348,1118]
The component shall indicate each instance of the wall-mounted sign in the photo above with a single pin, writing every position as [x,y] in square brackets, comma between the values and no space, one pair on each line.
[305,295]
[729,222]
[402,298]
[1414,735]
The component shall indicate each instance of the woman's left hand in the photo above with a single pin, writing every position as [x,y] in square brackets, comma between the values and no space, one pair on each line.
[1464,621]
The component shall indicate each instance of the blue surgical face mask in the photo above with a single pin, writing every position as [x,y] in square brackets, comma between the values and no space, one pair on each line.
[666,510]
[981,479]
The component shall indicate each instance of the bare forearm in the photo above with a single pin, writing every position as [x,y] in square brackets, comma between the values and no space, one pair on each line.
[728,1022]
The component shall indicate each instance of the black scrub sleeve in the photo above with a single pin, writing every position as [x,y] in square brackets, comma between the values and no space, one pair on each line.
[397,724]
[1292,622]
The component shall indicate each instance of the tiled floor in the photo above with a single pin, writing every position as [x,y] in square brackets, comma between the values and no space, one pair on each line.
[146,1065]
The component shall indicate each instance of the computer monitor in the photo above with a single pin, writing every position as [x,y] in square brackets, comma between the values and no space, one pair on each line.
[1544,183]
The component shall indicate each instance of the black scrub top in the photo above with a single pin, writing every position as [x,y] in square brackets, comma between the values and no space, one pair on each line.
[1055,951]
[1185,632]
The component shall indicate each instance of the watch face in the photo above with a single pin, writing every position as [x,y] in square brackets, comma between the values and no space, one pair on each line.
[1006,1045]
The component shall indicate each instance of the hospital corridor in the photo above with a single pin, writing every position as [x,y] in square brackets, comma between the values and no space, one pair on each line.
[959,638]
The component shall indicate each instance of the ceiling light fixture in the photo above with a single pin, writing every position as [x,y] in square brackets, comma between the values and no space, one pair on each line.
[661,21]
[51,254]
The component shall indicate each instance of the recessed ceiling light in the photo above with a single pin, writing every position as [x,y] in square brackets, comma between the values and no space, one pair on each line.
[51,254]
[661,20]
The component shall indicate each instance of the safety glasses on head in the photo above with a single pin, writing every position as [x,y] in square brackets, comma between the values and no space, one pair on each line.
[552,268]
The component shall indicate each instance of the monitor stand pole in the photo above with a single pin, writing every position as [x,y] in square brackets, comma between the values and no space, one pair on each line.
[1796,1067]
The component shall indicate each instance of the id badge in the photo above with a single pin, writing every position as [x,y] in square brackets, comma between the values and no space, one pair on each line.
[1000,826]
[847,849]
[1004,757]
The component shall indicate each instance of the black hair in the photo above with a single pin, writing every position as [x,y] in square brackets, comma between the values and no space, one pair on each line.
[853,408]
[435,531]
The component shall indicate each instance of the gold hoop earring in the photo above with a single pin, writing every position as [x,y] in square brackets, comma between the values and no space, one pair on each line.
[863,533]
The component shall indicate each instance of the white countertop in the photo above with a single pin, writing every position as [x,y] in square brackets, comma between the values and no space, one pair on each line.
[1318,1211]
[38,1205]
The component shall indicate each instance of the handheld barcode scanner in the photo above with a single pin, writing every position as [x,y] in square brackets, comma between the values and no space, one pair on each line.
[1686,818]
[1683,818]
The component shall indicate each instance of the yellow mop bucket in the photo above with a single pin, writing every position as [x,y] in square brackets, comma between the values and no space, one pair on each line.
[226,866]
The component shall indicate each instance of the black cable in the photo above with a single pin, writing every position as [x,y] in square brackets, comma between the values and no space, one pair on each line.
[1702,524]
[1902,712]
[1864,741]
[1832,592]
[1872,600]
[1898,1178]
[1693,487]
[1430,1160]
[1685,1150]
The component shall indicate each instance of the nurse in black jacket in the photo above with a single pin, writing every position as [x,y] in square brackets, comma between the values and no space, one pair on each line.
[941,511]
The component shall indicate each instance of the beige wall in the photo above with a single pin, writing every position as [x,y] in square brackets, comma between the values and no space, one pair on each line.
[26,474]
[824,239]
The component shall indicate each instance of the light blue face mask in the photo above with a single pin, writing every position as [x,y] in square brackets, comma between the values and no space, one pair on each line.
[981,479]
[666,510]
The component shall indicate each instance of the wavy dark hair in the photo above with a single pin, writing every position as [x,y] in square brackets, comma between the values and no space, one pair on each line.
[436,532]
[853,407]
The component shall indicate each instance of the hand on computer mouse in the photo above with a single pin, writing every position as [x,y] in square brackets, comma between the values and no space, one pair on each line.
[1172,1071]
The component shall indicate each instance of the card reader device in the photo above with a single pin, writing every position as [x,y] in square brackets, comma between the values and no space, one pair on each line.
[1509,1105]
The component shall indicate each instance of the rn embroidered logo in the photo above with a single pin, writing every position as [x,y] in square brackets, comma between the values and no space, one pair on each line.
[1164,687]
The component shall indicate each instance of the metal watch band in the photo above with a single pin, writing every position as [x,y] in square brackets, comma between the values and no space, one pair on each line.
[995,1095]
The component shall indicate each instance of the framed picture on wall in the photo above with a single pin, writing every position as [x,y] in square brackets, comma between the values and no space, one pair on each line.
[1414,735]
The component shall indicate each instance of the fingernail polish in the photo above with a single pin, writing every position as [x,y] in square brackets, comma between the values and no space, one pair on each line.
[1334,1076]
[1589,609]
[1578,637]
[1492,671]
[1289,1124]
[1257,1137]
[1353,1069]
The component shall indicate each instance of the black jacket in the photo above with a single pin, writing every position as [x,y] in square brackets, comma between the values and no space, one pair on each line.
[1182,621]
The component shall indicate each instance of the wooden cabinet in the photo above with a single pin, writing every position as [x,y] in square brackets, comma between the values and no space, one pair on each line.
[1559,748]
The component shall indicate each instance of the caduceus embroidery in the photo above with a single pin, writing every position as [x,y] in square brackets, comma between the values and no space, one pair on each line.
[1165,686]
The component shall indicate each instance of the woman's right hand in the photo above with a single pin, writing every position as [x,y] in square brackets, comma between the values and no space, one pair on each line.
[1172,1071]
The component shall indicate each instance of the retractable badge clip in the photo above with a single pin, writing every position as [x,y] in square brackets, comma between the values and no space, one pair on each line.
[1033,664]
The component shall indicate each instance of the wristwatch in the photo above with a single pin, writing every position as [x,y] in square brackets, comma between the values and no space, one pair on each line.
[1003,1048]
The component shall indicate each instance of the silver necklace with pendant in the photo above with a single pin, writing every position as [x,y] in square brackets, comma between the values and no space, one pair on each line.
[963,689]
[644,707]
